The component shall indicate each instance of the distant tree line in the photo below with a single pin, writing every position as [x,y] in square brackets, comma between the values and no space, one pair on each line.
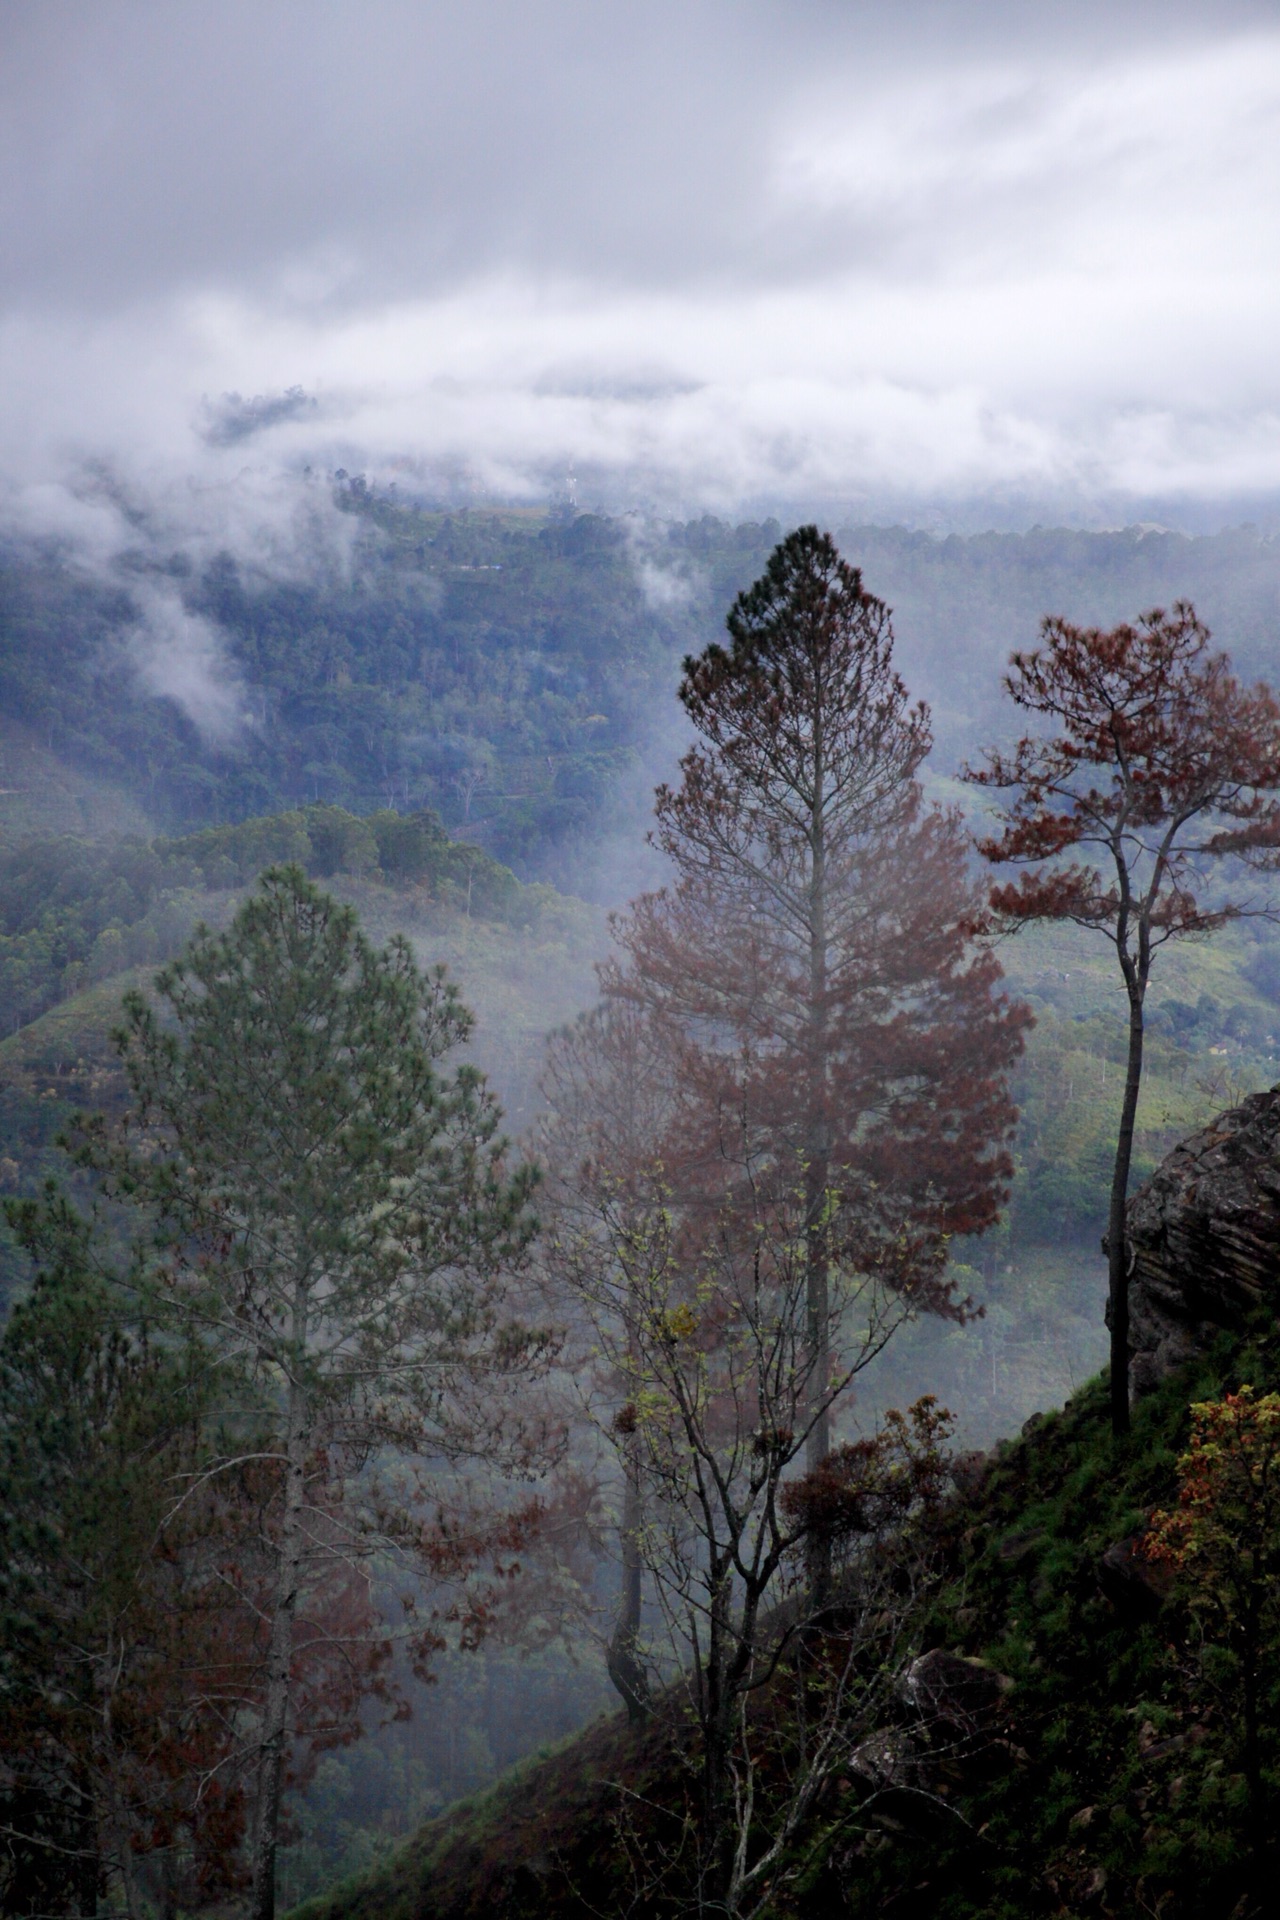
[74,910]
[515,675]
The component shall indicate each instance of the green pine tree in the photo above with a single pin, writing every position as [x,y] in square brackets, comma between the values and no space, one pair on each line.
[105,1619]
[332,1209]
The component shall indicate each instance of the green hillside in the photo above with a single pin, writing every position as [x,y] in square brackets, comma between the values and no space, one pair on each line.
[1112,1784]
[83,919]
[515,672]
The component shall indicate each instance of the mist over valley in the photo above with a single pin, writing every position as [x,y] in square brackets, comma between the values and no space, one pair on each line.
[639,971]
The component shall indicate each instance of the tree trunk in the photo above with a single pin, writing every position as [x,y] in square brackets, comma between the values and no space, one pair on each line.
[817,1303]
[275,1715]
[89,1875]
[1249,1687]
[1252,1759]
[1117,1242]
[117,1822]
[625,1667]
[122,1851]
[720,1844]
[817,1176]
[728,1768]
[722,1704]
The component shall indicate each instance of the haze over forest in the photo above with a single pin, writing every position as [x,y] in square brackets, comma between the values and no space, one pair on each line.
[394,402]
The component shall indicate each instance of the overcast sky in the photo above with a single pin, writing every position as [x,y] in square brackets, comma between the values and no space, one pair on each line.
[720,252]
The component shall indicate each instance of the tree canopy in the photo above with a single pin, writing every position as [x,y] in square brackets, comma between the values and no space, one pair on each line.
[814,956]
[331,1210]
[1156,766]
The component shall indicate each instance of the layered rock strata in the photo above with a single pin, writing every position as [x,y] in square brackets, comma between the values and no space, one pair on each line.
[1204,1239]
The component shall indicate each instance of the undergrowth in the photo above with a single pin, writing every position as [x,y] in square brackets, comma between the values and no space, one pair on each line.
[1114,1787]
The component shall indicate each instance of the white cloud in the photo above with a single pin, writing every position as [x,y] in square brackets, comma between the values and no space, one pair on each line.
[183,658]
[875,264]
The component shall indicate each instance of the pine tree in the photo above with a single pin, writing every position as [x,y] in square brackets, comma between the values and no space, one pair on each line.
[119,1653]
[332,1210]
[815,953]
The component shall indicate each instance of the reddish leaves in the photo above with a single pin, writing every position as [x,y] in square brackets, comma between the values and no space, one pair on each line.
[1160,763]
[869,1488]
[812,964]
[1160,757]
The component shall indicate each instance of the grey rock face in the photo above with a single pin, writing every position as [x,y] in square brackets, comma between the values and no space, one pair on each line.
[887,1759]
[1204,1238]
[951,1691]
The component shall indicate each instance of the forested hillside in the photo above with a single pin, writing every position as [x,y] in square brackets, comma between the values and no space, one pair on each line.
[84,917]
[508,679]
[454,723]
[513,671]
[508,675]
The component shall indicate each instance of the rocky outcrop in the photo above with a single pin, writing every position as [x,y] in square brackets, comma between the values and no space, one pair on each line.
[949,1691]
[1204,1239]
[968,1471]
[1136,1586]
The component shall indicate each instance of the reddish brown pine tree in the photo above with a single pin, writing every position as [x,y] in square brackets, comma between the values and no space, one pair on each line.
[815,950]
[1158,762]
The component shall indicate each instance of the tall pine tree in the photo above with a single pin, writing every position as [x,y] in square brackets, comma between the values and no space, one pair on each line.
[333,1211]
[814,953]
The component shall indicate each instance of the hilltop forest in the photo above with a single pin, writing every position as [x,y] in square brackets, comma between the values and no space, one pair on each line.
[514,671]
[446,729]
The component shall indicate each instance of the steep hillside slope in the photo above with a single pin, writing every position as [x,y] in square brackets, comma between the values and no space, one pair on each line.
[1111,1786]
[515,671]
[1106,1776]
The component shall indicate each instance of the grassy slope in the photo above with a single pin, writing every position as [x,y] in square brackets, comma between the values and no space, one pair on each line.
[519,981]
[543,1831]
[41,792]
[1116,1789]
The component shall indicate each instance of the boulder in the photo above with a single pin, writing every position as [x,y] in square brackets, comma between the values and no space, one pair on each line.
[968,1471]
[1204,1239]
[1136,1587]
[948,1690]
[887,1759]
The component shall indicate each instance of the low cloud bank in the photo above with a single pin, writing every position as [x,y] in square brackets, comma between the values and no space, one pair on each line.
[755,258]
